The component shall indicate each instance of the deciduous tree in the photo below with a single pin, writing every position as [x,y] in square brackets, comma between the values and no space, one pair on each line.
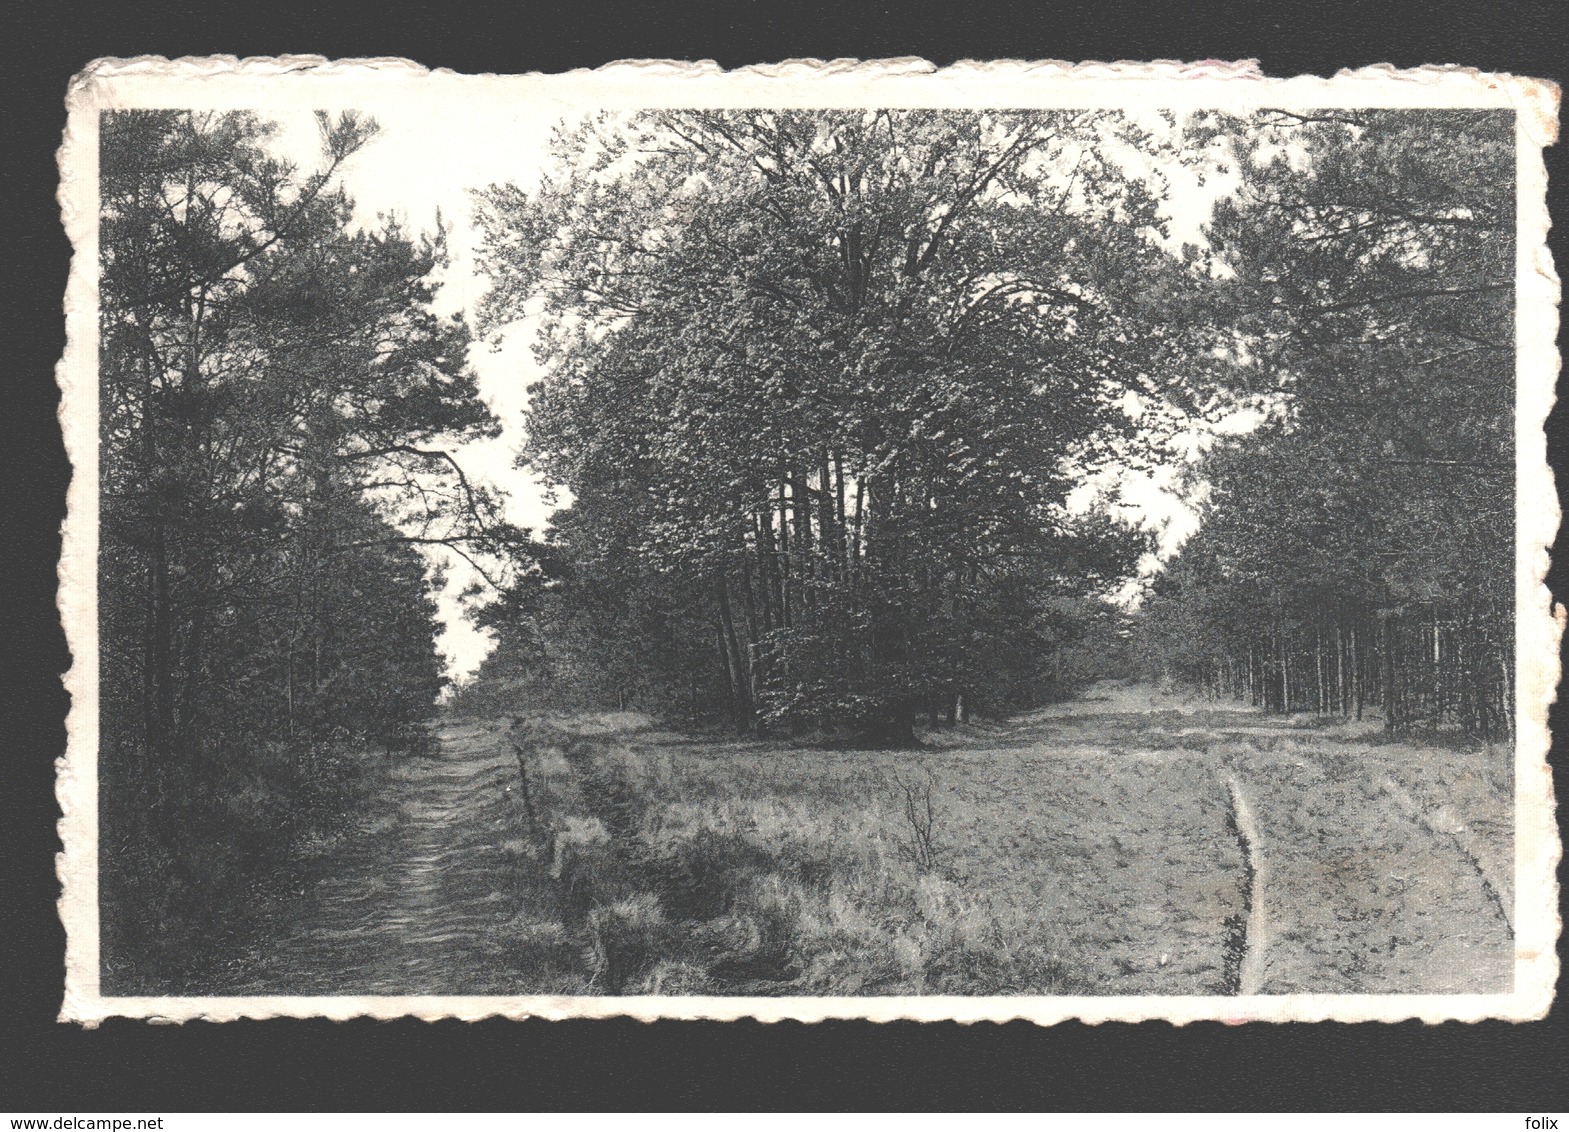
[832,375]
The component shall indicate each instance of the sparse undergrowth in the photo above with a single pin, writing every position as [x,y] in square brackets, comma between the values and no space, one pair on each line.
[185,880]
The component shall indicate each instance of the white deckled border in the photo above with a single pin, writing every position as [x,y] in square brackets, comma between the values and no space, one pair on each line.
[384,85]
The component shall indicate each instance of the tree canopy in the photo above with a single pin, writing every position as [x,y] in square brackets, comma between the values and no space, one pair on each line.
[275,391]
[820,383]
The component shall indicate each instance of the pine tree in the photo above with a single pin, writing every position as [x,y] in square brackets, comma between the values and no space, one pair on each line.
[1359,549]
[274,390]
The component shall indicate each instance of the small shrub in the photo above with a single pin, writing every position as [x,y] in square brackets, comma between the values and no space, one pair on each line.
[197,861]
[919,812]
[542,944]
[756,944]
[697,877]
[588,868]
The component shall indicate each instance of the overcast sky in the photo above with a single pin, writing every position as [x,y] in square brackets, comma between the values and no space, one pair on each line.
[426,160]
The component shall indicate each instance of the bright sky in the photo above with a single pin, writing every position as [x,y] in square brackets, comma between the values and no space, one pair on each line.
[422,165]
[425,162]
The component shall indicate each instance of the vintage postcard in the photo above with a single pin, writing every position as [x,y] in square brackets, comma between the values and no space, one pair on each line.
[827,540]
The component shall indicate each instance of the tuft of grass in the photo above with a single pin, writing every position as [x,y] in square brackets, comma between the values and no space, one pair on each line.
[625,941]
[816,889]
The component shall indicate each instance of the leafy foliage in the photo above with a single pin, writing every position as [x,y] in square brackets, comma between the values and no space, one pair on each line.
[1368,530]
[820,384]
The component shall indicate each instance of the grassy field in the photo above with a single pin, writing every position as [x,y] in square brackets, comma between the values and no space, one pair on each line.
[1124,844]
[1092,848]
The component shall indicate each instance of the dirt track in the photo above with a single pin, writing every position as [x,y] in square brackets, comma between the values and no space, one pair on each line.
[413,901]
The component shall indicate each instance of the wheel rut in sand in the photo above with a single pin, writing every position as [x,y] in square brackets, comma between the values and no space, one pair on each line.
[1249,935]
[1445,827]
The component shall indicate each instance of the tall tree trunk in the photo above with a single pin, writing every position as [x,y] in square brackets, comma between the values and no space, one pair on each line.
[1389,695]
[828,534]
[740,677]
[842,549]
[1358,695]
[767,569]
[858,533]
[801,512]
[753,634]
[1318,667]
[785,558]
[1285,675]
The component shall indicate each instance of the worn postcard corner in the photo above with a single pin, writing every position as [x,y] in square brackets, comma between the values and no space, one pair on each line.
[830,539]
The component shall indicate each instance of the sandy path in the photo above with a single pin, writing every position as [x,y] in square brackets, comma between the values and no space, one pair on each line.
[1366,866]
[411,903]
[1366,890]
[1445,825]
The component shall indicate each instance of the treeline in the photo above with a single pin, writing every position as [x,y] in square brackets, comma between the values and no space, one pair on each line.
[1357,551]
[586,643]
[271,378]
[820,384]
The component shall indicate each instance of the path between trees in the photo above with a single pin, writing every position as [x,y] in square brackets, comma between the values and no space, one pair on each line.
[413,901]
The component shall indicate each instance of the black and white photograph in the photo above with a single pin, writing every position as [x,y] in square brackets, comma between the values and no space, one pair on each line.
[808,542]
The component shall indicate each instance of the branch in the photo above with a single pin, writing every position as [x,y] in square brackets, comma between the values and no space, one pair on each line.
[1375,300]
[284,229]
[451,542]
[428,454]
[1309,119]
[968,195]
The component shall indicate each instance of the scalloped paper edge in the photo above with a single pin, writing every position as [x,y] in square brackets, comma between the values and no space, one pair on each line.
[223,81]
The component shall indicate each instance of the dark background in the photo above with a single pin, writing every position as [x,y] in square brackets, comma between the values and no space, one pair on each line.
[497,1065]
